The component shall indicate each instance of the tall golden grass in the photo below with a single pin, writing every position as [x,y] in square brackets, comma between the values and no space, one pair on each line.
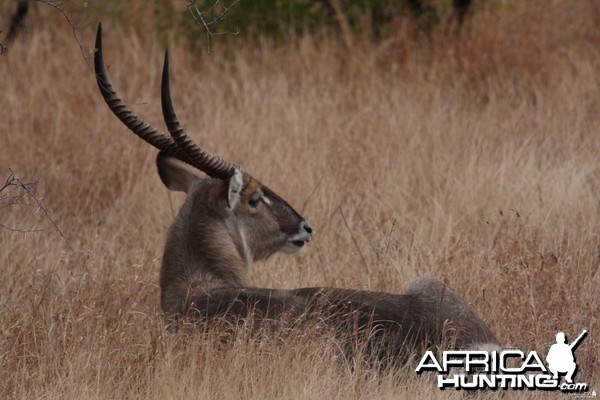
[472,158]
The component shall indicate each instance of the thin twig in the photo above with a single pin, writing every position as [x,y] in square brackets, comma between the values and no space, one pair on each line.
[201,17]
[61,7]
[310,195]
[355,243]
[25,190]
[389,240]
[17,230]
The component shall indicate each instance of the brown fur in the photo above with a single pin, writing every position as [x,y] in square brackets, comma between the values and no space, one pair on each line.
[208,242]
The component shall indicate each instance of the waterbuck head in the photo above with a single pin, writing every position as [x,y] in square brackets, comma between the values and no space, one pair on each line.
[227,221]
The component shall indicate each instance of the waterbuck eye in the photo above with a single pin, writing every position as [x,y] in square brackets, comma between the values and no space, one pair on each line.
[254,201]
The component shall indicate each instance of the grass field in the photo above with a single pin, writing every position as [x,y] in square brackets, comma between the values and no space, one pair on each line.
[474,159]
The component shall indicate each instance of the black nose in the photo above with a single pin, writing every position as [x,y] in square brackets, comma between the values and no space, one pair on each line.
[306,227]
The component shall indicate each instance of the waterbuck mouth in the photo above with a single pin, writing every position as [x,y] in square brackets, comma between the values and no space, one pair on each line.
[293,246]
[296,243]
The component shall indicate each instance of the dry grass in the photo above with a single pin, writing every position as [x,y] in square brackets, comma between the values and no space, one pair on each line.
[473,160]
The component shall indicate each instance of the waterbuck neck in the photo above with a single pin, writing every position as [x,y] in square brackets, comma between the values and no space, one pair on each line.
[203,250]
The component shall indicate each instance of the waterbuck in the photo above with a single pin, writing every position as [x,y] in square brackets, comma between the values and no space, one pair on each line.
[231,219]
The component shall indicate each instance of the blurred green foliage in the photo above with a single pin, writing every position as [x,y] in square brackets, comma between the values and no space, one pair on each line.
[277,21]
[285,19]
[281,21]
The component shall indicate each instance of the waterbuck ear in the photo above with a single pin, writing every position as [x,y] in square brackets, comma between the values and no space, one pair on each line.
[174,175]
[236,184]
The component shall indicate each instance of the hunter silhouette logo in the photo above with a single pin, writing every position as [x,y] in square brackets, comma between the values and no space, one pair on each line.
[560,357]
[507,369]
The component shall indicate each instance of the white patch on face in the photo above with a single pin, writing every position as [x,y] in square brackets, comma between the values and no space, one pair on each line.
[246,249]
[291,247]
[266,200]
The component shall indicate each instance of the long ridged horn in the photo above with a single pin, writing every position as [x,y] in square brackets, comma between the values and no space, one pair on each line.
[146,132]
[211,164]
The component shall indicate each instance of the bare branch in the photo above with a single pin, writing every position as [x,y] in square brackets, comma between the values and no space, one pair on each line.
[211,17]
[8,228]
[356,246]
[16,192]
[62,7]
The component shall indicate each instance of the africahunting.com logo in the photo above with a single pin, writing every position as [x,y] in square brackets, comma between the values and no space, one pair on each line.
[507,369]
